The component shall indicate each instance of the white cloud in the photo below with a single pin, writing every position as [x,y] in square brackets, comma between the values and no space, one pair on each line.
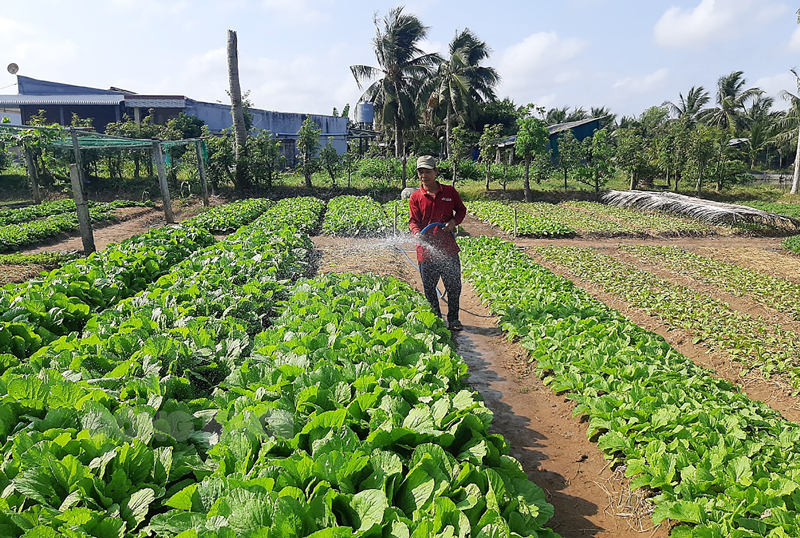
[297,11]
[773,86]
[539,62]
[642,84]
[713,21]
[794,41]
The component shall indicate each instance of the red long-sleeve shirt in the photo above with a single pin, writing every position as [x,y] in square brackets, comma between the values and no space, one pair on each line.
[424,209]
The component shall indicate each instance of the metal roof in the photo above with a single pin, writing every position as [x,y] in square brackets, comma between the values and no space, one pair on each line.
[43,100]
[147,101]
[559,127]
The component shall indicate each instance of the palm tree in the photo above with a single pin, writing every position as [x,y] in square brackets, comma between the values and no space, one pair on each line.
[761,126]
[788,123]
[689,108]
[731,100]
[403,66]
[461,82]
[607,118]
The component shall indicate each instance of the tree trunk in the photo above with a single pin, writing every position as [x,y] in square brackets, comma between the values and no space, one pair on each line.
[237,111]
[565,178]
[700,180]
[447,128]
[796,176]
[405,170]
[398,135]
[526,184]
[488,174]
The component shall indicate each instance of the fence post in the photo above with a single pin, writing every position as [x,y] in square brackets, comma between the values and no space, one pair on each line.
[158,156]
[201,166]
[84,221]
[515,222]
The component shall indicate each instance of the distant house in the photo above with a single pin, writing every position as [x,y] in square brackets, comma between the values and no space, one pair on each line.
[59,102]
[581,129]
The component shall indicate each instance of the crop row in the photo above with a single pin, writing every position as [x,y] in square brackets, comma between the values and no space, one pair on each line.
[582,221]
[355,216]
[789,210]
[721,464]
[230,217]
[792,243]
[402,211]
[749,340]
[648,222]
[354,421]
[46,209]
[119,420]
[771,291]
[14,236]
[514,219]
[35,313]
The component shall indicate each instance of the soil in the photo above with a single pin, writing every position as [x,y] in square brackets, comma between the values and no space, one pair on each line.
[590,498]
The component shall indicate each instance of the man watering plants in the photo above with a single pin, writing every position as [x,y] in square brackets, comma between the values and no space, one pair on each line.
[434,212]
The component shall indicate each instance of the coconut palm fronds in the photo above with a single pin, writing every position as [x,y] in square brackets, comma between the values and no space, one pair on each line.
[706,210]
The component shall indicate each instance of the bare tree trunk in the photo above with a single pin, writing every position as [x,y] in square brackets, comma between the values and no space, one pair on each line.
[796,176]
[237,111]
[447,129]
[526,185]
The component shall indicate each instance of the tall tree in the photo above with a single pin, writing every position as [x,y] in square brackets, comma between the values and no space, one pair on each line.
[731,99]
[461,82]
[532,139]
[402,68]
[690,108]
[790,119]
[308,144]
[237,111]
[488,148]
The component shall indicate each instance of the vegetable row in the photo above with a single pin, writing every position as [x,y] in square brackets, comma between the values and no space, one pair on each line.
[752,341]
[768,290]
[355,216]
[514,219]
[648,222]
[35,313]
[101,429]
[230,217]
[46,209]
[719,463]
[353,421]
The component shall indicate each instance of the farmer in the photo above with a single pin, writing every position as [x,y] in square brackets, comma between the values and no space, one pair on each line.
[437,250]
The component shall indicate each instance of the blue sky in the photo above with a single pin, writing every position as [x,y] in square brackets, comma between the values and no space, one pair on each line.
[295,54]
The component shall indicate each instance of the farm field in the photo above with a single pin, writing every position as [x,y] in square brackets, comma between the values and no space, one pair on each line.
[533,409]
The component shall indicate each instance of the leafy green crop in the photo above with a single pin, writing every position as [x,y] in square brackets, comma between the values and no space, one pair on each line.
[792,243]
[37,312]
[354,422]
[99,431]
[355,216]
[230,217]
[502,215]
[751,341]
[769,290]
[655,223]
[722,465]
[401,206]
[47,259]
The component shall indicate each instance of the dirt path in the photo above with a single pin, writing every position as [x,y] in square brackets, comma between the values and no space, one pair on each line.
[132,221]
[552,445]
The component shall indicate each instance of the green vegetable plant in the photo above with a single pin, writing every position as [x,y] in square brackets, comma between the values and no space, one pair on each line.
[355,216]
[525,224]
[718,464]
